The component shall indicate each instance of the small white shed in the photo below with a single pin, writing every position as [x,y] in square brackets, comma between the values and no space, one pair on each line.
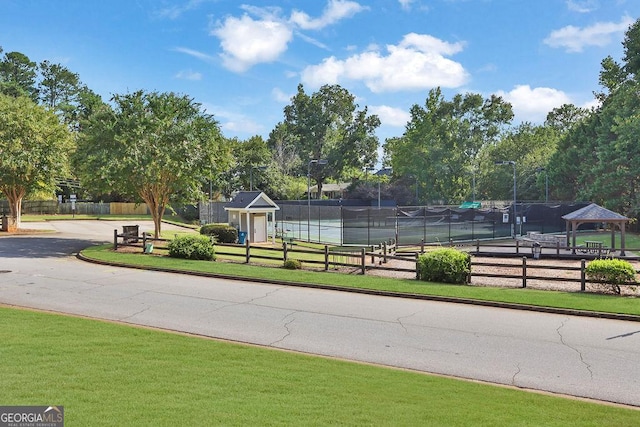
[253,213]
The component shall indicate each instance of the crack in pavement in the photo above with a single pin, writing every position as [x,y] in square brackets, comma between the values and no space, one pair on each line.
[286,327]
[230,303]
[399,319]
[136,313]
[573,348]
[513,378]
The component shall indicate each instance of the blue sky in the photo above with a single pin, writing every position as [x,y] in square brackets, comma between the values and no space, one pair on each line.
[243,60]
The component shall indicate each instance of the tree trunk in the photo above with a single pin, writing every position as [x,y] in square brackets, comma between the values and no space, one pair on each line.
[156,202]
[14,195]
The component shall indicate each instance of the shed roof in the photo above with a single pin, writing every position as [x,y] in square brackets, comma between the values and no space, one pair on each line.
[594,213]
[251,200]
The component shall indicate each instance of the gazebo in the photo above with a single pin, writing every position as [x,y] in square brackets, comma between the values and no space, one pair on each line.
[595,214]
[253,213]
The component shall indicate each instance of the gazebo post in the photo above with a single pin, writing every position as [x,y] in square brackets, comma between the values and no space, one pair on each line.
[613,235]
[574,230]
[622,230]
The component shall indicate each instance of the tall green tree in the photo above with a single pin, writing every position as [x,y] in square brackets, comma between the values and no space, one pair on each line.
[158,147]
[34,149]
[594,159]
[441,143]
[18,75]
[59,87]
[326,125]
[528,145]
[565,117]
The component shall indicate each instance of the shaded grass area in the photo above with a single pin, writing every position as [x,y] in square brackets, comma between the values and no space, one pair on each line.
[556,299]
[106,374]
[170,219]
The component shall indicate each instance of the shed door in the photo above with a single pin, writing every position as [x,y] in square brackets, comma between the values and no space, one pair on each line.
[260,228]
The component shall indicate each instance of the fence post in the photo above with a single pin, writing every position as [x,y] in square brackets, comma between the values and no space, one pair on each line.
[285,252]
[417,267]
[422,246]
[524,271]
[384,258]
[373,255]
[115,240]
[326,257]
[477,246]
[557,248]
[517,247]
[583,275]
[144,241]
[248,250]
[362,260]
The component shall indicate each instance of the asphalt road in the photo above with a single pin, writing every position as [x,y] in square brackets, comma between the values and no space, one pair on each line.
[578,356]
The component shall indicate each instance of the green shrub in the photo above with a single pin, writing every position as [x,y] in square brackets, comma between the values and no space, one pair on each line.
[192,247]
[445,266]
[292,264]
[611,273]
[222,233]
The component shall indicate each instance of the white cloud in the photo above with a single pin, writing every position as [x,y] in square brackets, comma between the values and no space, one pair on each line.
[575,39]
[391,116]
[232,122]
[195,54]
[246,42]
[417,62]
[334,12]
[263,35]
[189,75]
[582,6]
[533,105]
[405,4]
[174,11]
[280,96]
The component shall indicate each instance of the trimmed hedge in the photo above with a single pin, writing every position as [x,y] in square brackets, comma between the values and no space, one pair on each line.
[445,265]
[222,233]
[192,247]
[292,264]
[611,273]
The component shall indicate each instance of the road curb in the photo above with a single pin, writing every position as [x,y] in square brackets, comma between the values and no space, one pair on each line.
[455,300]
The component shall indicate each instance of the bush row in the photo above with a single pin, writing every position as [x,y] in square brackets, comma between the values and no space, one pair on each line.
[192,247]
[446,265]
[221,233]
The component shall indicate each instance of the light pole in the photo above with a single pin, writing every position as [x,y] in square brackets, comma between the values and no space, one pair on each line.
[383,171]
[319,162]
[251,175]
[515,214]
[546,183]
[473,184]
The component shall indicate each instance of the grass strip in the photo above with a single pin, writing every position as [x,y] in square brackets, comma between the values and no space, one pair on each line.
[106,374]
[555,299]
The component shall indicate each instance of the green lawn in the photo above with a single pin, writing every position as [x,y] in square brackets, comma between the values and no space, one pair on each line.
[106,374]
[569,300]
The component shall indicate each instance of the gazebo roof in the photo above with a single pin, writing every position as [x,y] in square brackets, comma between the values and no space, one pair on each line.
[594,213]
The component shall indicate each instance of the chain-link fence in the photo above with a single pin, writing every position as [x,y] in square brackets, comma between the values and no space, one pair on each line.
[342,223]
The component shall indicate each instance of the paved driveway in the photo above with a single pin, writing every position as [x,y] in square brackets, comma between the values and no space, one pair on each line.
[585,357]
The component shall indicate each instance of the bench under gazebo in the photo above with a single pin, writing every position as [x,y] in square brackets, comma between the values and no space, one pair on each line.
[596,214]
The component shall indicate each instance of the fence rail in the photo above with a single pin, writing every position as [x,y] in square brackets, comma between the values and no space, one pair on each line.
[378,260]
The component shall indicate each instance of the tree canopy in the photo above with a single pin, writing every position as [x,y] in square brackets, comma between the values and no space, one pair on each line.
[326,125]
[440,146]
[34,146]
[153,146]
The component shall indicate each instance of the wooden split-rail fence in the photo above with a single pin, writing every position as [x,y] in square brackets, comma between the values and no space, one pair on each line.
[375,258]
